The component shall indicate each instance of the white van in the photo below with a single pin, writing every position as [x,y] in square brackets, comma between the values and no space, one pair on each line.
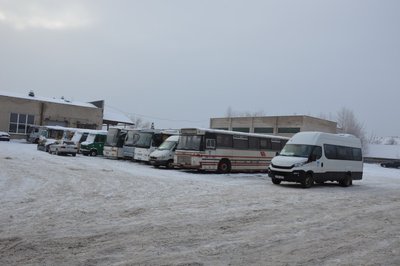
[310,157]
[164,155]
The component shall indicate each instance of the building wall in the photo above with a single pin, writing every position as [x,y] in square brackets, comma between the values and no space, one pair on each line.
[47,113]
[277,125]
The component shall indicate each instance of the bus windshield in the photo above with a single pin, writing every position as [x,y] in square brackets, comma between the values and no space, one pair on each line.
[144,140]
[112,137]
[297,150]
[77,136]
[189,142]
[131,138]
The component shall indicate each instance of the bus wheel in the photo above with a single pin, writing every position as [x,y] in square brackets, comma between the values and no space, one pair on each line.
[346,181]
[93,153]
[308,181]
[224,166]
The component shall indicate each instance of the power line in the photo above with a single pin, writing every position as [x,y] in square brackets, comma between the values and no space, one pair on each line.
[160,118]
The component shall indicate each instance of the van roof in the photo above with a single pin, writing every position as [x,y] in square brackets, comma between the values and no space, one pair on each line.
[313,137]
[173,138]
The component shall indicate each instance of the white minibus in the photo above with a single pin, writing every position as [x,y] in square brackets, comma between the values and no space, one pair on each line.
[149,140]
[318,157]
[164,155]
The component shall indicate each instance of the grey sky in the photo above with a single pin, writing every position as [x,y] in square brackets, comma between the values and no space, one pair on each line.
[188,61]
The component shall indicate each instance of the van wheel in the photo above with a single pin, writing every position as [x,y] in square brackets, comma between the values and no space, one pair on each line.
[276,181]
[224,166]
[93,153]
[170,164]
[308,181]
[346,181]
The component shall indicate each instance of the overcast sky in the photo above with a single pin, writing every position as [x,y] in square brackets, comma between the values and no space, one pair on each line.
[178,63]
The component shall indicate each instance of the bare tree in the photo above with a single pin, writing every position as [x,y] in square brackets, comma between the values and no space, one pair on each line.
[140,123]
[348,123]
[390,141]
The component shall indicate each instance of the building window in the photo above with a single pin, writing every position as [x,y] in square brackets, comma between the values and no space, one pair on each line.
[20,123]
[288,130]
[264,130]
[241,129]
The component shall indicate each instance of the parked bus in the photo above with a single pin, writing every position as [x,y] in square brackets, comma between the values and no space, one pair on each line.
[113,148]
[149,140]
[94,143]
[128,149]
[310,157]
[226,151]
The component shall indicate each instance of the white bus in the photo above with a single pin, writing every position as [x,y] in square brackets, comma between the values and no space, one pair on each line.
[113,148]
[226,151]
[310,157]
[128,148]
[149,140]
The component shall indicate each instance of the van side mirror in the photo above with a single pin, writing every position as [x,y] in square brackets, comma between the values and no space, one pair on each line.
[277,153]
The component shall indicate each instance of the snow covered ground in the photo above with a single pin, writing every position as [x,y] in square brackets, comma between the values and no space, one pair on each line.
[58,210]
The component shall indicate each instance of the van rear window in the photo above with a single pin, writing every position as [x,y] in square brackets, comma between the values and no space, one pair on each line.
[336,152]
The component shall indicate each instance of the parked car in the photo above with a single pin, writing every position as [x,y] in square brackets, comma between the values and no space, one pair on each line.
[4,136]
[392,164]
[44,144]
[63,147]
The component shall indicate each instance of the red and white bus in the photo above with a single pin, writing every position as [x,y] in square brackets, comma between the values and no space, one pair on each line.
[226,151]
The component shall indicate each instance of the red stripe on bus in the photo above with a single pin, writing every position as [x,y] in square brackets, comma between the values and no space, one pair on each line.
[221,156]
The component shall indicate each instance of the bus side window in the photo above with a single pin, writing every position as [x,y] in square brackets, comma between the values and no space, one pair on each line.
[210,144]
[276,145]
[254,143]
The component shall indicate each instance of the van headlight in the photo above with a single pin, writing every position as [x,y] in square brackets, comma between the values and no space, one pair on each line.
[299,164]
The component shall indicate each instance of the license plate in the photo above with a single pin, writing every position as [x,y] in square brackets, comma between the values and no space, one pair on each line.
[279,176]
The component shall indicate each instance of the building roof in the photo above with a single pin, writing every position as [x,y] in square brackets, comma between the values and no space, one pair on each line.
[113,115]
[110,114]
[46,99]
[274,116]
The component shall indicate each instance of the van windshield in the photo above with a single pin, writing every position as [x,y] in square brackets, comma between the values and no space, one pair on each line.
[90,138]
[297,150]
[167,145]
